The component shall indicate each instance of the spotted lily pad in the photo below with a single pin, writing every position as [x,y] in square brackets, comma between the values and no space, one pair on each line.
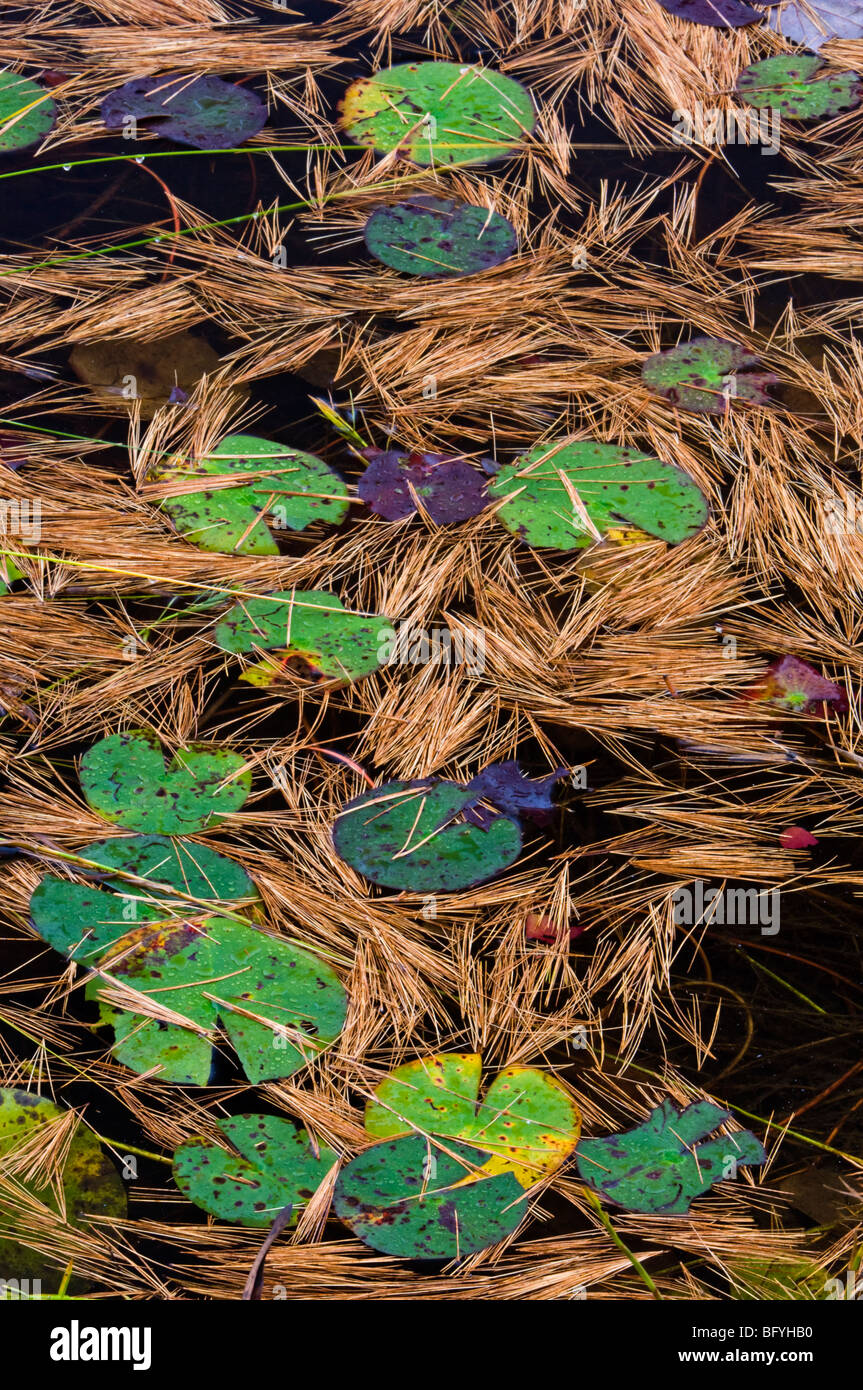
[569,495]
[27,113]
[406,835]
[706,374]
[89,1183]
[836,19]
[432,236]
[204,112]
[800,86]
[125,779]
[526,1123]
[793,685]
[449,488]
[659,1166]
[296,488]
[411,1199]
[718,14]
[82,920]
[309,627]
[438,113]
[271,1165]
[279,1006]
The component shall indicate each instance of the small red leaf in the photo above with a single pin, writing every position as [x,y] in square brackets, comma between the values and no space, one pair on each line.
[795,837]
[793,685]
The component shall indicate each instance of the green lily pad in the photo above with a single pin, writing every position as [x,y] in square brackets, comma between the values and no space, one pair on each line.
[91,1185]
[125,779]
[409,1198]
[9,572]
[405,835]
[525,1125]
[432,236]
[438,113]
[309,626]
[617,488]
[298,488]
[659,1166]
[800,86]
[39,112]
[706,374]
[82,920]
[275,1165]
[279,1006]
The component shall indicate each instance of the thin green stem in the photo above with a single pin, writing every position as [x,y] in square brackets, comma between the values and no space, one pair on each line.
[633,1259]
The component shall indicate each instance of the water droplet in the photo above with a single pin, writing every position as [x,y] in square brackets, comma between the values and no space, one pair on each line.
[66,168]
[139,159]
[157,238]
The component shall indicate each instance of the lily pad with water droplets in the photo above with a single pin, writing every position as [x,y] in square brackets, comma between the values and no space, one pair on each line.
[449,489]
[800,86]
[568,496]
[432,236]
[297,488]
[526,1124]
[204,112]
[90,1184]
[406,835]
[438,113]
[27,113]
[125,778]
[659,1166]
[310,627]
[706,374]
[270,1165]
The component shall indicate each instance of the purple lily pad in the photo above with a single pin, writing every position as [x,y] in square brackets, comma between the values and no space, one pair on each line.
[793,685]
[507,788]
[449,488]
[718,14]
[204,112]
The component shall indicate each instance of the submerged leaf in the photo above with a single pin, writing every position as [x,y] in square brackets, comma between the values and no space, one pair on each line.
[567,496]
[308,626]
[526,1123]
[35,111]
[278,1005]
[718,14]
[125,779]
[706,374]
[9,572]
[836,19]
[793,685]
[790,84]
[449,489]
[297,488]
[130,370]
[658,1166]
[90,1184]
[405,835]
[275,1165]
[408,1198]
[777,1280]
[438,113]
[426,235]
[204,112]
